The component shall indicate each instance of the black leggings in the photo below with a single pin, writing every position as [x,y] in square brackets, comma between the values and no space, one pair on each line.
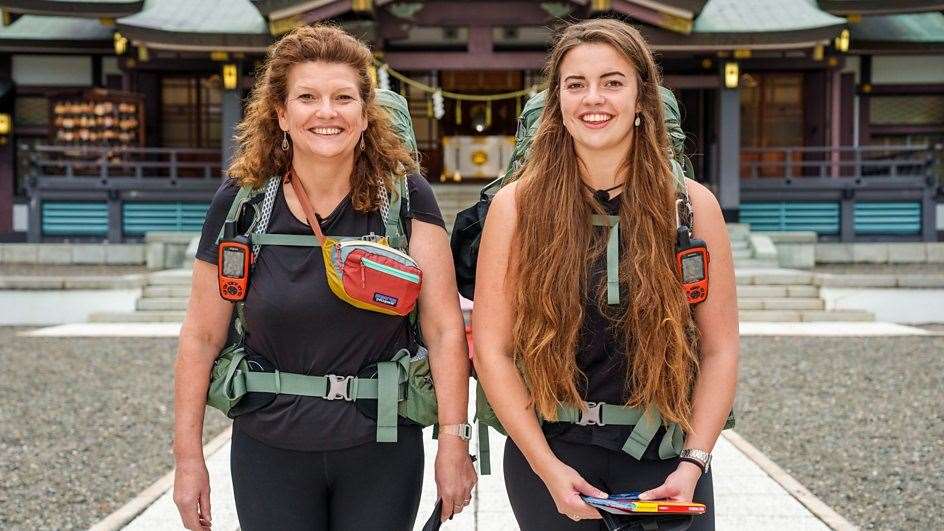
[611,471]
[371,486]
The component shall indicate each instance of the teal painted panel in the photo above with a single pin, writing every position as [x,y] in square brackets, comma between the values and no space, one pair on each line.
[75,218]
[777,216]
[888,217]
[173,216]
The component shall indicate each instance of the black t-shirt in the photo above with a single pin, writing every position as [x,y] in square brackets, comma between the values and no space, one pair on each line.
[601,358]
[297,323]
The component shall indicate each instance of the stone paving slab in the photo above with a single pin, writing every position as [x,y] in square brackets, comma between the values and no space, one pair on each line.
[108,330]
[824,329]
[827,329]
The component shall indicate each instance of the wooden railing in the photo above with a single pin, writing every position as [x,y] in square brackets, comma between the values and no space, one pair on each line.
[123,163]
[852,161]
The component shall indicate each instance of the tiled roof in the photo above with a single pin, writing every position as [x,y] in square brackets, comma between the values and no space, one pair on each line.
[742,16]
[32,27]
[73,8]
[210,24]
[921,27]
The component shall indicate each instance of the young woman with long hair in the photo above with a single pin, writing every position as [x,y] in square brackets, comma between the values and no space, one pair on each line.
[546,337]
[304,462]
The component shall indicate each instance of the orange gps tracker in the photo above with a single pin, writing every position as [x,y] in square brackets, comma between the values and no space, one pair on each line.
[233,264]
[692,259]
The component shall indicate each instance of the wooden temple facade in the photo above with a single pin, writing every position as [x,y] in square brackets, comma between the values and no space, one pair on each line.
[116,116]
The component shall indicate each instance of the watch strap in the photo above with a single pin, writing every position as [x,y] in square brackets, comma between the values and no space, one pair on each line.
[462,431]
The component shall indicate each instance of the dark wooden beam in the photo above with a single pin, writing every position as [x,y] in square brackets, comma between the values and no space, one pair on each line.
[456,13]
[653,16]
[692,82]
[327,11]
[480,40]
[465,60]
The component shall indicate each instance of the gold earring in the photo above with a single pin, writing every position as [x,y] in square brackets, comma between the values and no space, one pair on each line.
[363,144]
[284,140]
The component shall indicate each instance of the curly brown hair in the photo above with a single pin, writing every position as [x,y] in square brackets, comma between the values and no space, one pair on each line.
[557,243]
[259,155]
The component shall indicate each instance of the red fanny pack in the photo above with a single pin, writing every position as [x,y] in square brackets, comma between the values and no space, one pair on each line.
[369,275]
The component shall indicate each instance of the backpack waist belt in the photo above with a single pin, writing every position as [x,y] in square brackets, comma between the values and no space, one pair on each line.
[386,389]
[647,424]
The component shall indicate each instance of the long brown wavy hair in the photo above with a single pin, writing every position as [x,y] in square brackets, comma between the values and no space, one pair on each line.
[259,137]
[557,243]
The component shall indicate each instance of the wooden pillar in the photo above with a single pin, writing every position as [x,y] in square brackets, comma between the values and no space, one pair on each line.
[7,151]
[729,153]
[835,120]
[230,115]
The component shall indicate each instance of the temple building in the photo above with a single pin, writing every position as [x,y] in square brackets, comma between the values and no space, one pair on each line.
[116,116]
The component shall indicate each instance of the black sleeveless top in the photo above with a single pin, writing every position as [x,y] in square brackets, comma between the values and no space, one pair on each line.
[300,326]
[601,358]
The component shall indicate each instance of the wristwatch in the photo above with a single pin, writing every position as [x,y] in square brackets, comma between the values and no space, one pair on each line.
[462,431]
[698,457]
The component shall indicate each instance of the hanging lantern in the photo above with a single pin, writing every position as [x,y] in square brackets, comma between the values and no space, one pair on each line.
[842,41]
[458,112]
[230,76]
[6,124]
[121,44]
[731,75]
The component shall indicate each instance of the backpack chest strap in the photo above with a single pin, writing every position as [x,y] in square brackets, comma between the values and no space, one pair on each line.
[386,389]
[647,424]
[612,256]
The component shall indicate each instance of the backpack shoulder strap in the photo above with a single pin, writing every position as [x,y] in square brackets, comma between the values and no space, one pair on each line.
[390,208]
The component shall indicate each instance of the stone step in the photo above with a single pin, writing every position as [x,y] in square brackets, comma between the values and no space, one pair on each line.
[173,277]
[751,291]
[741,253]
[837,315]
[754,263]
[795,303]
[136,317]
[796,316]
[166,291]
[773,278]
[161,304]
[740,244]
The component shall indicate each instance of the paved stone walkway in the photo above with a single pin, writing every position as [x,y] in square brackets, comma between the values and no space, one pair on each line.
[822,329]
[746,497]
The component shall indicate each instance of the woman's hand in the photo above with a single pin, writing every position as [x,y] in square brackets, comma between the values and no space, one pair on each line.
[566,486]
[679,486]
[455,475]
[192,493]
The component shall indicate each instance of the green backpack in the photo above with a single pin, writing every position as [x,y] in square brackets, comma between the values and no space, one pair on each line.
[402,387]
[467,233]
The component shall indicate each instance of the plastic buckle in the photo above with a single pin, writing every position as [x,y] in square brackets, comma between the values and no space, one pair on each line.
[339,387]
[593,416]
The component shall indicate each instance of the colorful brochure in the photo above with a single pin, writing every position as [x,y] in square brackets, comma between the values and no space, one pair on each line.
[630,504]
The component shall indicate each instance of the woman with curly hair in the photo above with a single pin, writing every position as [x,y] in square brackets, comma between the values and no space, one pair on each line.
[553,353]
[306,462]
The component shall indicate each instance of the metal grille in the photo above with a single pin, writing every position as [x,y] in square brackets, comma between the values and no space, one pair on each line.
[898,217]
[907,110]
[819,216]
[139,218]
[75,218]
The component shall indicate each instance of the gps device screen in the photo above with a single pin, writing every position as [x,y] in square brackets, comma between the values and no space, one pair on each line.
[233,262]
[693,268]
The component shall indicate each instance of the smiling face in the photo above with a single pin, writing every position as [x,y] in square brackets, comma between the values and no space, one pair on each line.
[598,96]
[323,111]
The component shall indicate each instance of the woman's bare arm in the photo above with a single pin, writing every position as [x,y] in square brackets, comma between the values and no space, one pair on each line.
[202,336]
[444,333]
[717,321]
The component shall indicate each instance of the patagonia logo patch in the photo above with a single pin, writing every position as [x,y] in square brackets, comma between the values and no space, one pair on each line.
[385,299]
